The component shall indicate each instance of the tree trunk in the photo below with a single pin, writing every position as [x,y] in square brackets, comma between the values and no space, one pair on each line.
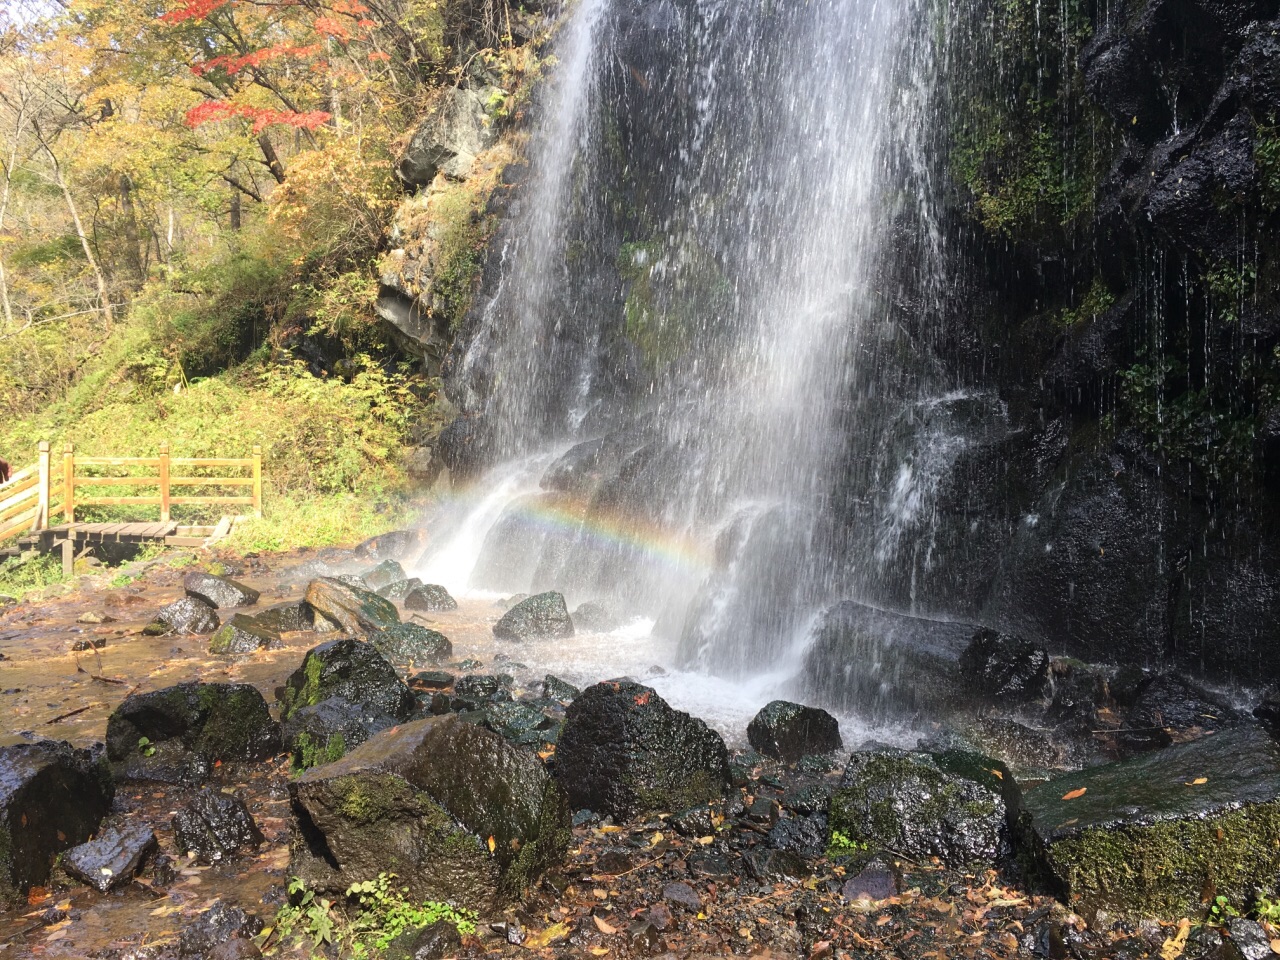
[272,158]
[235,209]
[98,277]
[137,264]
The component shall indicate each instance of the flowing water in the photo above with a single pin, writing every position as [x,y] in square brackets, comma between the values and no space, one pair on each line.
[703,381]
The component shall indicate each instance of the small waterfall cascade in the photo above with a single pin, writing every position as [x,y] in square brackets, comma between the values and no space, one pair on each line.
[702,382]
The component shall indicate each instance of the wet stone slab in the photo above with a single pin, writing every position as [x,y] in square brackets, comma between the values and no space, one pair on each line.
[113,858]
[1151,835]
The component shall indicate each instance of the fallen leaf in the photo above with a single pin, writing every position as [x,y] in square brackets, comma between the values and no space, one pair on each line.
[602,926]
[655,839]
[493,844]
[557,931]
[599,951]
[1275,946]
[1175,945]
[1197,782]
[1075,794]
[706,840]
[997,774]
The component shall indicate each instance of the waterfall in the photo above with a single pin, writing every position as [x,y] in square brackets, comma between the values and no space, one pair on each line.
[710,334]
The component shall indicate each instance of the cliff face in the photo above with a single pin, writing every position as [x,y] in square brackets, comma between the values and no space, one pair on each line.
[1116,207]
[1108,181]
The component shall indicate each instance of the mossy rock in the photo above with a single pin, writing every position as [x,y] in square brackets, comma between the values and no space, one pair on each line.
[350,608]
[405,642]
[213,721]
[244,634]
[456,812]
[353,670]
[1148,836]
[908,803]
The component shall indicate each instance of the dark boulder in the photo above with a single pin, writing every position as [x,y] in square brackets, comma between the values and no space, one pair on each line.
[596,616]
[1169,708]
[113,858]
[286,617]
[384,575]
[905,802]
[189,615]
[214,826]
[399,590]
[885,664]
[519,723]
[433,942]
[477,688]
[353,670]
[409,642]
[350,608]
[237,948]
[1147,836]
[875,881]
[430,597]
[553,688]
[220,593]
[456,812]
[244,634]
[432,680]
[806,836]
[772,865]
[52,797]
[1004,669]
[541,617]
[624,750]
[395,545]
[789,731]
[325,731]
[211,721]
[221,924]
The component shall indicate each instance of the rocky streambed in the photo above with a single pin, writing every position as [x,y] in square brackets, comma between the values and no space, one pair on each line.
[295,754]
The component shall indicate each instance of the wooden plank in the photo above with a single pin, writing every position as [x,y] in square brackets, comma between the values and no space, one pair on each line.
[18,524]
[211,481]
[117,461]
[117,501]
[195,500]
[21,492]
[16,478]
[209,462]
[194,530]
[20,506]
[117,481]
[176,541]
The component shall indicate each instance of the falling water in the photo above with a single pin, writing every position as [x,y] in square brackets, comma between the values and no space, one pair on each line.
[714,305]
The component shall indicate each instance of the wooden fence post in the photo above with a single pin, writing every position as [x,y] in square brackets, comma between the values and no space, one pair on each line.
[69,482]
[164,482]
[257,481]
[42,511]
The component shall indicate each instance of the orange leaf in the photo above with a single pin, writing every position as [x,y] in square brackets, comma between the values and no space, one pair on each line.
[602,926]
[493,844]
[1075,794]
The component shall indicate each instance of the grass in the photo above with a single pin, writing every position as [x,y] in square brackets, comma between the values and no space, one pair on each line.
[325,521]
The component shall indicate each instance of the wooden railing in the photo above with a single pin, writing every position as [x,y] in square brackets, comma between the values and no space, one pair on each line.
[30,499]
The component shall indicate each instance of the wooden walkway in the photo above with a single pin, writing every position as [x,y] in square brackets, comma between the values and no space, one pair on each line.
[74,537]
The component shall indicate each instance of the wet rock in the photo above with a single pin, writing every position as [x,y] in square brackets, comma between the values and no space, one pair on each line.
[400,589]
[643,938]
[1169,707]
[623,750]
[432,680]
[163,763]
[518,723]
[875,881]
[480,688]
[411,643]
[433,942]
[384,575]
[541,617]
[209,721]
[1250,939]
[682,895]
[430,597]
[448,140]
[789,731]
[244,634]
[113,858]
[237,948]
[806,836]
[807,797]
[286,618]
[163,872]
[325,731]
[553,688]
[885,665]
[424,799]
[705,863]
[190,615]
[905,802]
[768,864]
[353,670]
[596,616]
[220,593]
[1004,669]
[350,608]
[1146,836]
[220,924]
[52,797]
[214,826]
[396,545]
[82,646]
[694,822]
